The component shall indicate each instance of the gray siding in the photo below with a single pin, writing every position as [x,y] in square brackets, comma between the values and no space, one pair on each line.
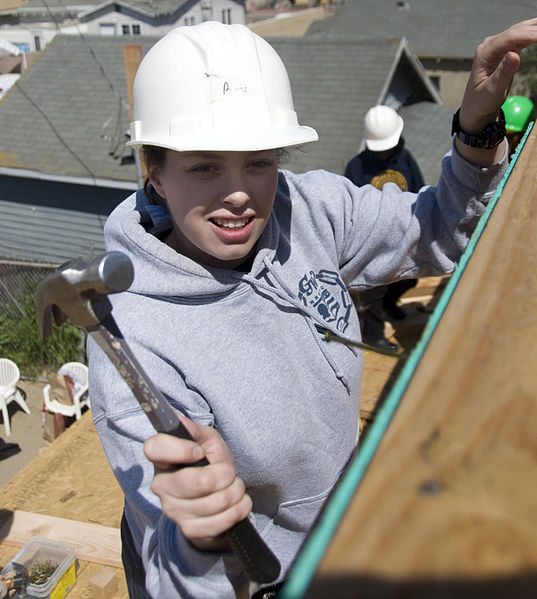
[50,222]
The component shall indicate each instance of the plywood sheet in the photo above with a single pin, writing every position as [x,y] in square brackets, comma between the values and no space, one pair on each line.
[69,479]
[447,507]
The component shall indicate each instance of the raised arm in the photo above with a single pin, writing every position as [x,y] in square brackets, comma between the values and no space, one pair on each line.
[496,61]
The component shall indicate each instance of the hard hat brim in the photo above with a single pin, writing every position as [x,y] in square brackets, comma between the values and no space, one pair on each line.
[381,145]
[246,141]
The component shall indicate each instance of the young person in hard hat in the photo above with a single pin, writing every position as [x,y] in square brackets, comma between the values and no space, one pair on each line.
[385,159]
[519,113]
[240,270]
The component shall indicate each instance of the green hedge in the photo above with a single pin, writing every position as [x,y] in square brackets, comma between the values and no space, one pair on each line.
[20,341]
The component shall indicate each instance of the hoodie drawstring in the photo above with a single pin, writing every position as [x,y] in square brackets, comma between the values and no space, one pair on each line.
[282,291]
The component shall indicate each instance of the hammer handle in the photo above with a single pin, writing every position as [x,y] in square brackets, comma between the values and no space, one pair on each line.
[256,557]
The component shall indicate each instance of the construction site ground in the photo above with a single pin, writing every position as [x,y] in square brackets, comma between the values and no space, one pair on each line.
[65,490]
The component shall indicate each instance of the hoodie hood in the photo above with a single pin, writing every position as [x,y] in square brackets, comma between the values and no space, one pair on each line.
[159,270]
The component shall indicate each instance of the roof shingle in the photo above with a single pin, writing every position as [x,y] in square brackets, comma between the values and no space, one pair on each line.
[434,28]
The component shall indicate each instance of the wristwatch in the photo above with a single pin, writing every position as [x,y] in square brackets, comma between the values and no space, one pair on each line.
[489,137]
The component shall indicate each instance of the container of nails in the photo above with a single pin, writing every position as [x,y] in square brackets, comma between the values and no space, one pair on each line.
[50,565]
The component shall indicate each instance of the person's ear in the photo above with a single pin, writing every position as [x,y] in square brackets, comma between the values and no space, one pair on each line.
[154,174]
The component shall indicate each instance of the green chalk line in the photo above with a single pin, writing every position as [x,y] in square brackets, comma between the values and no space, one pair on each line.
[306,563]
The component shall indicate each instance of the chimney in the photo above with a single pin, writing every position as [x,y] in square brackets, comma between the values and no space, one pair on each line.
[132,57]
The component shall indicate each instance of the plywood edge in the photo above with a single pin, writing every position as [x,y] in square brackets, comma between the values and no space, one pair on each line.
[93,542]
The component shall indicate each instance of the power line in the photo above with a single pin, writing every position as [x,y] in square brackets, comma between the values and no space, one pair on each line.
[56,132]
[85,40]
[117,137]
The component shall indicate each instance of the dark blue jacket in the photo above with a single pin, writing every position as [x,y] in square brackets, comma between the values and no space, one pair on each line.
[399,167]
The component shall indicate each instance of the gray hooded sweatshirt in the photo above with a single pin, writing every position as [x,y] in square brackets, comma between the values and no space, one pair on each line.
[244,351]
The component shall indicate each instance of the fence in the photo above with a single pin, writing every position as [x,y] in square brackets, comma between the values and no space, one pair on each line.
[19,336]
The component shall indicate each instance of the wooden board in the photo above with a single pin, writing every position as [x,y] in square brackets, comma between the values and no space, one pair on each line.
[448,505]
[69,479]
[93,542]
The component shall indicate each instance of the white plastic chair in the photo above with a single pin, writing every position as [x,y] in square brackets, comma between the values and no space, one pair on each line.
[79,373]
[9,377]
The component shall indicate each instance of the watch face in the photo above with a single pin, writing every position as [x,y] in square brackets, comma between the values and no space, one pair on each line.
[488,138]
[495,138]
[491,135]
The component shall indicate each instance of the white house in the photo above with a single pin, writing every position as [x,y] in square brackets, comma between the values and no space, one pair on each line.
[32,24]
[119,17]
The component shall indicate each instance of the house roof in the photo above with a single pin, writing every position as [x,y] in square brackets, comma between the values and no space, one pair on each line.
[434,28]
[334,83]
[84,8]
[150,8]
[53,12]
[427,136]
[67,115]
[74,113]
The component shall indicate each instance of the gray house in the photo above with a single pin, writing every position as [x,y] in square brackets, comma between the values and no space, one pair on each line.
[443,33]
[64,165]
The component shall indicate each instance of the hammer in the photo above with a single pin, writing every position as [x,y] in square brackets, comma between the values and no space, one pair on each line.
[78,290]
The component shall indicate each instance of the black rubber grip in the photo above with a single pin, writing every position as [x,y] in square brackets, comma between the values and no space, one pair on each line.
[255,555]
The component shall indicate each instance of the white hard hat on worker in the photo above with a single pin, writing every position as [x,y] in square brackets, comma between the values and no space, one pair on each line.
[383,128]
[214,87]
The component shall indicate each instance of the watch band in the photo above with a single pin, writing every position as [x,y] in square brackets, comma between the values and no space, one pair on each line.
[488,138]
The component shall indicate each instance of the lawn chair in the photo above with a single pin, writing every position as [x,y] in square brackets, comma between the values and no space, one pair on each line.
[9,377]
[79,397]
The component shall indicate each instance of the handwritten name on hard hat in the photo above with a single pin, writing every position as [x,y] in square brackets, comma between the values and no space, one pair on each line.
[224,86]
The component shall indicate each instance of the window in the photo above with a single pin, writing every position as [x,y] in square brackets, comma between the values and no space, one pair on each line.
[206,12]
[131,29]
[37,42]
[435,80]
[226,16]
[190,21]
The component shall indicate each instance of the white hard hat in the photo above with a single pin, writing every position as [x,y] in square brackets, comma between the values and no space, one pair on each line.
[383,128]
[214,87]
